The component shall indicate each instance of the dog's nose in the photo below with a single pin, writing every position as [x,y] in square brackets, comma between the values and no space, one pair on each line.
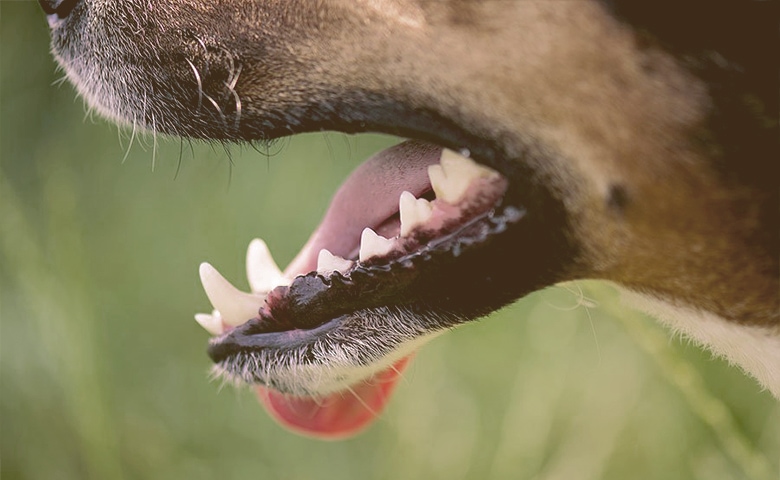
[61,8]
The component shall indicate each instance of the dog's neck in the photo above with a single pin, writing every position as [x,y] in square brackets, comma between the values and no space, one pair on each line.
[755,349]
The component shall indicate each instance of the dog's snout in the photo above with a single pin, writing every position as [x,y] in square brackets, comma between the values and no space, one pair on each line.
[61,8]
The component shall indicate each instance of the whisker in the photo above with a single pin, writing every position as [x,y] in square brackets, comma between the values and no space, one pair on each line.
[237,99]
[362,402]
[130,144]
[205,55]
[216,106]
[198,80]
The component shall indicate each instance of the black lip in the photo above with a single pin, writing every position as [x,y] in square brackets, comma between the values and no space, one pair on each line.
[244,338]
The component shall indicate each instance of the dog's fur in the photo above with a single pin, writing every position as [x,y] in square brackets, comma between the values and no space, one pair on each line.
[653,129]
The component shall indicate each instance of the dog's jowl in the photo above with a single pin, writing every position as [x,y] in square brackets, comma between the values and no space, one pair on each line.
[631,142]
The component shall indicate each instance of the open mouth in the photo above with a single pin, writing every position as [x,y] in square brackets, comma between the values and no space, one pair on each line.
[394,262]
[418,239]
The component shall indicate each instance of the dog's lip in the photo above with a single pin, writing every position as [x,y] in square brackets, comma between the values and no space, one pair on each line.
[245,337]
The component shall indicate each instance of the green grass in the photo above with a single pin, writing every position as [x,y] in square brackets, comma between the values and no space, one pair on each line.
[104,373]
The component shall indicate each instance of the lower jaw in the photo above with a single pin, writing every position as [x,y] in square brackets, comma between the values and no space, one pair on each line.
[338,415]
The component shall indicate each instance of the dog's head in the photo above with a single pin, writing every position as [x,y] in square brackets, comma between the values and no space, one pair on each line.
[549,141]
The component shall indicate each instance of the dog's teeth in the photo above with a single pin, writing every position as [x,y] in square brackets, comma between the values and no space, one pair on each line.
[373,245]
[261,269]
[452,176]
[413,212]
[211,322]
[328,263]
[235,306]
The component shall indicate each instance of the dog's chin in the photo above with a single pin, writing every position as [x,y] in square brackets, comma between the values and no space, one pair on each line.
[418,240]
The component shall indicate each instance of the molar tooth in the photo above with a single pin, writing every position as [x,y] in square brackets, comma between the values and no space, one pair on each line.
[211,322]
[413,212]
[261,269]
[452,177]
[234,306]
[373,245]
[328,263]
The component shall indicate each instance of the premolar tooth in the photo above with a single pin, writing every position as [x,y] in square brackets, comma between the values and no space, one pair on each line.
[235,306]
[373,245]
[328,263]
[413,212]
[261,269]
[211,322]
[452,176]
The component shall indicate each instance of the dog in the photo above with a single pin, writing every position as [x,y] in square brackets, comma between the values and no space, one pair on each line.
[631,142]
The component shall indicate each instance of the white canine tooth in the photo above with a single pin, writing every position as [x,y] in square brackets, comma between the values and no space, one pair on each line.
[211,322]
[373,245]
[261,269]
[413,212]
[452,177]
[235,306]
[328,263]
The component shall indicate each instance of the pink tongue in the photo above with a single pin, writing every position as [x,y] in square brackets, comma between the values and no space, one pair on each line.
[338,415]
[366,199]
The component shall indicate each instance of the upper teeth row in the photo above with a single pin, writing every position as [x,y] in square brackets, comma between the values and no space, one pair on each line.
[450,180]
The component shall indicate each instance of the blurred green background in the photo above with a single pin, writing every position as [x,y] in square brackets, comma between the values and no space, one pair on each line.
[104,372]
